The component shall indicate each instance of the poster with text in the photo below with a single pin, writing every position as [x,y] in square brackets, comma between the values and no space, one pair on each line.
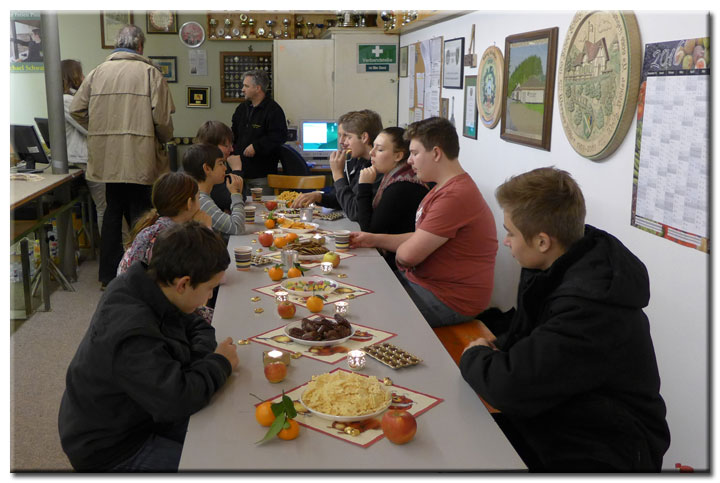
[26,47]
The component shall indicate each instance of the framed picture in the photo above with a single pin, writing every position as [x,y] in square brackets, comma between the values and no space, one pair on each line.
[403,61]
[167,65]
[444,107]
[198,96]
[192,34]
[110,24]
[528,85]
[453,63]
[470,118]
[162,22]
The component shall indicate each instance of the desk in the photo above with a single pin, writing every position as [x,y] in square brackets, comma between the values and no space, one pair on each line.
[456,435]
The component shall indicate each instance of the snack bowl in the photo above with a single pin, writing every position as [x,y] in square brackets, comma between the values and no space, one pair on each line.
[300,231]
[345,419]
[307,286]
[316,343]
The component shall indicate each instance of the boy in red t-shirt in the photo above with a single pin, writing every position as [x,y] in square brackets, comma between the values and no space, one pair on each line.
[447,263]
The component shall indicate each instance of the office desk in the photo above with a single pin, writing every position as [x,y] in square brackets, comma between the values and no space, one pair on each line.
[456,435]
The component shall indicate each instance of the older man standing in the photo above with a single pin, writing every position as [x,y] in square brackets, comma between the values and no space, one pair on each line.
[259,129]
[126,107]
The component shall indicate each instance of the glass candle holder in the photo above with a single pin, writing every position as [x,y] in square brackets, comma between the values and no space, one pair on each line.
[275,355]
[356,360]
[341,308]
[306,214]
[281,296]
[326,267]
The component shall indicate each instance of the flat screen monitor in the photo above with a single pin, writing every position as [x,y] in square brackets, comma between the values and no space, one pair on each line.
[42,124]
[318,138]
[27,146]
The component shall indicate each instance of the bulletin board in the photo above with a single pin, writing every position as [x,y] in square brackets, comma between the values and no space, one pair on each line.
[670,179]
[425,62]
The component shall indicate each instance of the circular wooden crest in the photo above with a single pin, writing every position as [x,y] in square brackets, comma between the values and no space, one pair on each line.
[489,93]
[598,80]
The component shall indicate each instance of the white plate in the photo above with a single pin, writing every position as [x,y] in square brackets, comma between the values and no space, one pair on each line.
[307,293]
[310,258]
[345,419]
[316,343]
[300,231]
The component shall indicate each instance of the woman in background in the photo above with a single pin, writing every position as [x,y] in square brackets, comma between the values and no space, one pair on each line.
[76,135]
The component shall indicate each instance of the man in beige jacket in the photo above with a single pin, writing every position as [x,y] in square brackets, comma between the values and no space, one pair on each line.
[126,106]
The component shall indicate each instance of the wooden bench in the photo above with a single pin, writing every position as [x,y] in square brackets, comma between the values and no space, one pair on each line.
[456,337]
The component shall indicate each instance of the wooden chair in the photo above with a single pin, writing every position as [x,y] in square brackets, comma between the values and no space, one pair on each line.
[281,182]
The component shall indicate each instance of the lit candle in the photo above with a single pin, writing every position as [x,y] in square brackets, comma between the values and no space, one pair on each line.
[356,360]
[281,296]
[326,267]
[273,356]
[341,308]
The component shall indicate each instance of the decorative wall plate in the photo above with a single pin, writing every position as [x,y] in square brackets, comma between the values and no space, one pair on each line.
[192,34]
[490,78]
[598,80]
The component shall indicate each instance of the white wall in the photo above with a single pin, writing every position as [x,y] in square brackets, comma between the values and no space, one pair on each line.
[678,309]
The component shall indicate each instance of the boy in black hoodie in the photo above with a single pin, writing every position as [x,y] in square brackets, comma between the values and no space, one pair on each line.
[575,375]
[147,362]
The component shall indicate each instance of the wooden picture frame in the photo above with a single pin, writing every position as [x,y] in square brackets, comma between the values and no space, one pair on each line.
[528,88]
[453,54]
[167,65]
[198,97]
[403,66]
[470,110]
[111,21]
[161,22]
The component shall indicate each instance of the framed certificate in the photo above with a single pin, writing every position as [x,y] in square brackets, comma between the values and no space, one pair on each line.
[110,24]
[198,96]
[167,65]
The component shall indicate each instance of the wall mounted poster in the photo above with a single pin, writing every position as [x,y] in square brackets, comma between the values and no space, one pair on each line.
[598,81]
[471,111]
[26,43]
[528,84]
[453,58]
[489,99]
[670,179]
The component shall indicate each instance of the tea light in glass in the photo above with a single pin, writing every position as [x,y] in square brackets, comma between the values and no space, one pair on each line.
[356,360]
[341,308]
[326,267]
[281,296]
[275,355]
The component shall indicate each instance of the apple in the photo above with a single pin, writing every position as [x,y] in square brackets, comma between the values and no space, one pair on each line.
[399,426]
[275,371]
[332,257]
[266,238]
[286,309]
[271,205]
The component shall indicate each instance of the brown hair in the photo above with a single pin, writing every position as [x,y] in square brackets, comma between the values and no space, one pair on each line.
[72,75]
[400,144]
[196,156]
[170,194]
[435,131]
[214,132]
[358,122]
[544,200]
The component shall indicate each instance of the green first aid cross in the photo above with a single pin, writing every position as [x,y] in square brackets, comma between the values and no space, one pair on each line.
[377,54]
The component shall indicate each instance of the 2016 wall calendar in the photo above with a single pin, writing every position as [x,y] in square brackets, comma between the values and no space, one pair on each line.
[670,180]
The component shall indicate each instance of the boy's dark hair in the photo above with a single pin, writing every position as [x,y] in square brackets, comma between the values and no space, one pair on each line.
[189,249]
[435,131]
[544,200]
[358,122]
[196,156]
[214,132]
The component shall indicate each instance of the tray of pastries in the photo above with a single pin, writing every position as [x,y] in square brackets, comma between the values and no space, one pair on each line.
[258,260]
[391,356]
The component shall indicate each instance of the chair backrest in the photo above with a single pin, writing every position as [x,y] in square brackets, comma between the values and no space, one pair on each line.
[293,164]
[282,182]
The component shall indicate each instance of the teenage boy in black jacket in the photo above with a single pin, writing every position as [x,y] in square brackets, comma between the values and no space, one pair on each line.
[259,129]
[147,362]
[575,375]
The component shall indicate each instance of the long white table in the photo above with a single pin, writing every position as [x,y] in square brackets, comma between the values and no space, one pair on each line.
[456,435]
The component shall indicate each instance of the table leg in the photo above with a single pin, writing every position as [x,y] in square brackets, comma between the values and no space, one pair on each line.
[25,263]
[44,269]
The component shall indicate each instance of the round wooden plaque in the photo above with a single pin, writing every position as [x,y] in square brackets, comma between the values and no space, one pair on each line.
[598,80]
[490,78]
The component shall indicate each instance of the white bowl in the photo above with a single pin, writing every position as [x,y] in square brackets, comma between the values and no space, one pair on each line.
[345,419]
[300,231]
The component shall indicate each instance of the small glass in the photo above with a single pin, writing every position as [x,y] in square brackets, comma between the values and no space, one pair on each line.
[276,356]
[326,267]
[341,308]
[281,296]
[289,258]
[306,214]
[356,360]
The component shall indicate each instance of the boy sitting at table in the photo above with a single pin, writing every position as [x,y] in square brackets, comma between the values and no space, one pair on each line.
[206,163]
[147,362]
[575,375]
[356,132]
[446,265]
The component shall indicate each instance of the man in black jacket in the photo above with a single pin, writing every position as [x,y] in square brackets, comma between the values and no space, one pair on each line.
[259,129]
[147,362]
[575,375]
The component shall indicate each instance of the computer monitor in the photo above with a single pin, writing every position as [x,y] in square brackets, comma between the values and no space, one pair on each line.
[42,124]
[27,146]
[318,137]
